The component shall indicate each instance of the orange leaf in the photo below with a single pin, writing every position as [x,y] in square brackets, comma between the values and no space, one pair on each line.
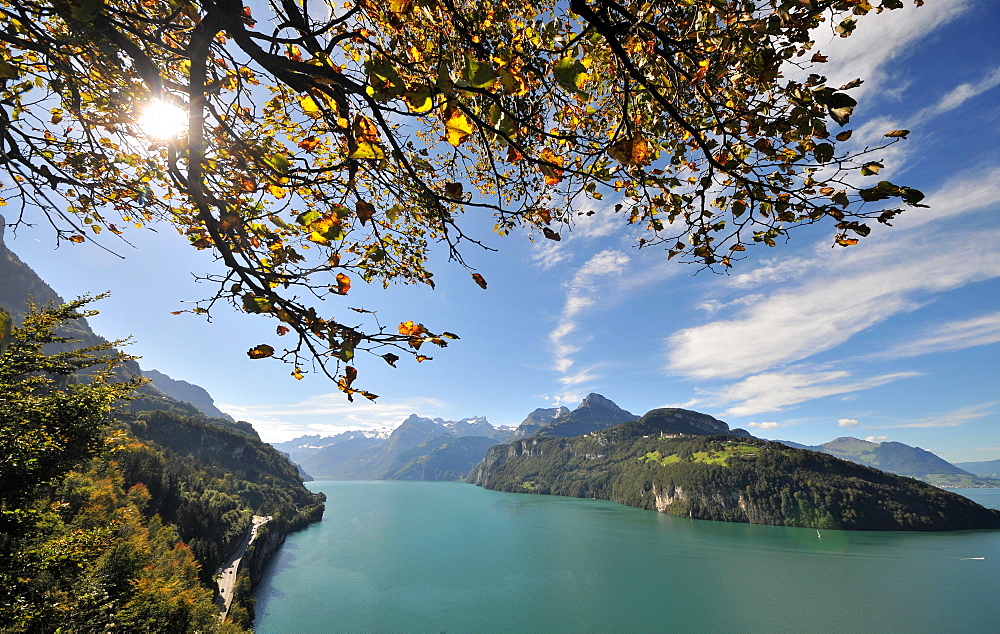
[281,330]
[634,151]
[343,284]
[309,143]
[479,280]
[350,373]
[411,329]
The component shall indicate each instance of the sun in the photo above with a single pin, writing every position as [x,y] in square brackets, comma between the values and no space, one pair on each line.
[163,121]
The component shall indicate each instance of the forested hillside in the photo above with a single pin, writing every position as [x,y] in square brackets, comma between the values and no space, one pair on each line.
[118,504]
[651,464]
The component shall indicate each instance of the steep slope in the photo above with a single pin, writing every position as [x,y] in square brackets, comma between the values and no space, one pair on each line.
[725,478]
[186,392]
[201,477]
[444,458]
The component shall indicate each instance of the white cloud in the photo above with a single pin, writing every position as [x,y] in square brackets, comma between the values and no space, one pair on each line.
[876,438]
[767,425]
[955,335]
[848,422]
[877,40]
[850,290]
[776,391]
[326,414]
[962,93]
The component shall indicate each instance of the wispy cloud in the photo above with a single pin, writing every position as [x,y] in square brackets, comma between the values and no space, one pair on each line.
[582,292]
[849,292]
[326,414]
[954,418]
[962,93]
[955,335]
[776,391]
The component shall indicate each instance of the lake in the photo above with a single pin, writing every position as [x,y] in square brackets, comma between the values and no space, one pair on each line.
[451,557]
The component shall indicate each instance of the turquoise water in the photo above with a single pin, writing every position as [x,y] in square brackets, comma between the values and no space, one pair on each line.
[449,557]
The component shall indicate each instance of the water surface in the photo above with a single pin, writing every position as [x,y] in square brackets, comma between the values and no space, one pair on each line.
[450,557]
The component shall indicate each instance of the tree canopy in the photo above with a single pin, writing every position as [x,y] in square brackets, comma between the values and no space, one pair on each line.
[326,142]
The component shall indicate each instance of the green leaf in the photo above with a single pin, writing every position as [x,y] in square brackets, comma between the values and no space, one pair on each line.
[279,162]
[8,70]
[570,74]
[823,152]
[477,74]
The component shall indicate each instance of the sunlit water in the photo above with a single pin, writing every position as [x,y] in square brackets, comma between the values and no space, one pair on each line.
[449,557]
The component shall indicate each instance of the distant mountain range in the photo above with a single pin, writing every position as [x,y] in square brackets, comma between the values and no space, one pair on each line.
[437,449]
[901,459]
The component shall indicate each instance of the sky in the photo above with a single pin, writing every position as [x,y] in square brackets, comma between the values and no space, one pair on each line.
[897,338]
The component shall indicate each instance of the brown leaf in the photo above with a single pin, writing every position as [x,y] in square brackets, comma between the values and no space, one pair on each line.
[350,373]
[478,279]
[260,352]
[897,134]
[365,210]
[550,234]
[453,190]
[818,58]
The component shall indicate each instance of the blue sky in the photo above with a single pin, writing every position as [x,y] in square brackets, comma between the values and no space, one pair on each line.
[897,338]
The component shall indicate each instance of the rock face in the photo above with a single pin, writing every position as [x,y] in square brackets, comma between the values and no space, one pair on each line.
[186,392]
[593,414]
[535,421]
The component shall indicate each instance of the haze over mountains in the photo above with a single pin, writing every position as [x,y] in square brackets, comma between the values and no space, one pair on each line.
[901,459]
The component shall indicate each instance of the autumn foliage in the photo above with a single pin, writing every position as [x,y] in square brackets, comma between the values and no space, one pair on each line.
[332,143]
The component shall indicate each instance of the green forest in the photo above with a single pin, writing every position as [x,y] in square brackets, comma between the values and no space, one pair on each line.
[728,479]
[117,505]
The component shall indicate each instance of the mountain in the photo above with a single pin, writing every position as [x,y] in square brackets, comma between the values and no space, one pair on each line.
[186,392]
[594,413]
[987,469]
[672,420]
[648,464]
[901,459]
[444,449]
[535,421]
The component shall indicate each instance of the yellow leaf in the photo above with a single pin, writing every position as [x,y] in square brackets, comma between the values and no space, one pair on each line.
[457,125]
[897,134]
[310,107]
[367,150]
[277,192]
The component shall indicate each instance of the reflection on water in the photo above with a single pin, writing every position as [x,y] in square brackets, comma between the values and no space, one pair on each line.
[412,557]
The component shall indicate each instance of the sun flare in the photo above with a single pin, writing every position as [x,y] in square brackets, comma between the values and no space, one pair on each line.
[161,120]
